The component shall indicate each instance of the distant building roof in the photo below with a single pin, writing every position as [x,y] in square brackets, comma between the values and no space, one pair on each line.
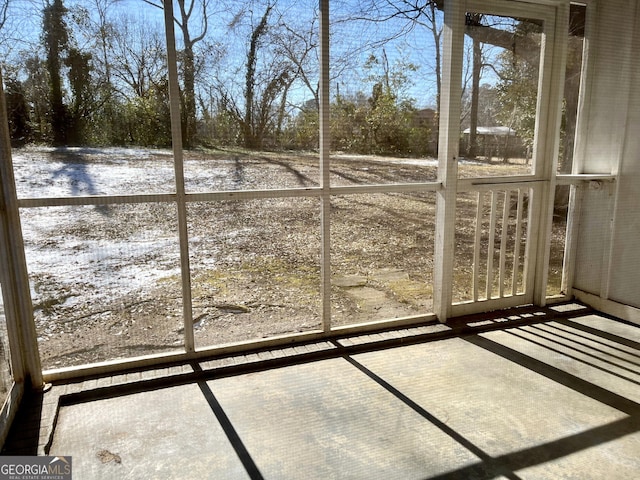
[498,131]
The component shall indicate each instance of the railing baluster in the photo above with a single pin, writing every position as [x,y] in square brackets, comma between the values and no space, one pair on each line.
[503,241]
[476,248]
[517,240]
[492,233]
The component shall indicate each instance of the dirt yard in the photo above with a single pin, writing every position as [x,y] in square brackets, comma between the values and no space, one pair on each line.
[106,278]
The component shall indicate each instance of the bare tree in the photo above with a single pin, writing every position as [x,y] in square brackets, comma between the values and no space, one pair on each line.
[300,47]
[95,24]
[4,10]
[418,14]
[137,58]
[191,12]
[56,39]
[258,105]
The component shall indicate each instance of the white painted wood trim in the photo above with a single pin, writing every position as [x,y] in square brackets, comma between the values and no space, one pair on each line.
[10,409]
[492,241]
[548,134]
[23,344]
[227,195]
[587,75]
[518,241]
[94,200]
[283,341]
[528,273]
[387,188]
[477,244]
[576,195]
[490,183]
[453,48]
[539,10]
[325,184]
[576,179]
[503,240]
[610,307]
[176,140]
[466,308]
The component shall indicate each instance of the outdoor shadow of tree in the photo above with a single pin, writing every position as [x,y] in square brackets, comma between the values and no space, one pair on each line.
[302,179]
[74,169]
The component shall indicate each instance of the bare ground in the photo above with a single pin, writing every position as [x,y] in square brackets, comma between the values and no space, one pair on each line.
[106,281]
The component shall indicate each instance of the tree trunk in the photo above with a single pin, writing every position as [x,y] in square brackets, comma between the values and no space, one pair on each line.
[188,96]
[248,125]
[55,37]
[475,93]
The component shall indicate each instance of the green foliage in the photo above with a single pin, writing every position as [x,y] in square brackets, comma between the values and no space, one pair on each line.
[220,128]
[517,94]
[348,126]
[304,132]
[386,122]
[517,90]
[17,112]
[79,64]
[389,121]
[148,118]
[96,82]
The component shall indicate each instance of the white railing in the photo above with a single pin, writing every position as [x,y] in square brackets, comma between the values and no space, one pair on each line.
[501,211]
[500,250]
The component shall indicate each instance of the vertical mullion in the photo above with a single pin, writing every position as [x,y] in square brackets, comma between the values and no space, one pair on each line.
[449,144]
[325,145]
[476,247]
[503,239]
[21,329]
[492,235]
[576,197]
[518,241]
[548,137]
[579,152]
[176,138]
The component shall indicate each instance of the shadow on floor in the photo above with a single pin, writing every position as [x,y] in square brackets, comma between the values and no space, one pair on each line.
[519,394]
[23,438]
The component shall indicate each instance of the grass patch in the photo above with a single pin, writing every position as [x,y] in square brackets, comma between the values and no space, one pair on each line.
[304,278]
[410,291]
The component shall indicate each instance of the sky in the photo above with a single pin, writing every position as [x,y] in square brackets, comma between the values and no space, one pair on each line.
[415,47]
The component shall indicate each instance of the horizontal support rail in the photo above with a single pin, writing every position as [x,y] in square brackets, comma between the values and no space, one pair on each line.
[226,195]
[469,307]
[181,355]
[253,194]
[502,183]
[95,200]
[390,188]
[575,179]
[490,183]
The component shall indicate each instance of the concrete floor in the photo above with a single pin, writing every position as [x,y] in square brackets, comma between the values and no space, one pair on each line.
[549,396]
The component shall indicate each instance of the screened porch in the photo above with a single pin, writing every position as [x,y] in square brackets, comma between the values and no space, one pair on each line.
[342,281]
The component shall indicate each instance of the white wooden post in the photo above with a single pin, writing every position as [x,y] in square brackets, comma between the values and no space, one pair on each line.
[576,194]
[176,140]
[325,146]
[13,274]
[548,140]
[453,46]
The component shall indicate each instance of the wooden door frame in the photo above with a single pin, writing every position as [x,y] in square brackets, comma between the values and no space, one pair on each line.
[547,139]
